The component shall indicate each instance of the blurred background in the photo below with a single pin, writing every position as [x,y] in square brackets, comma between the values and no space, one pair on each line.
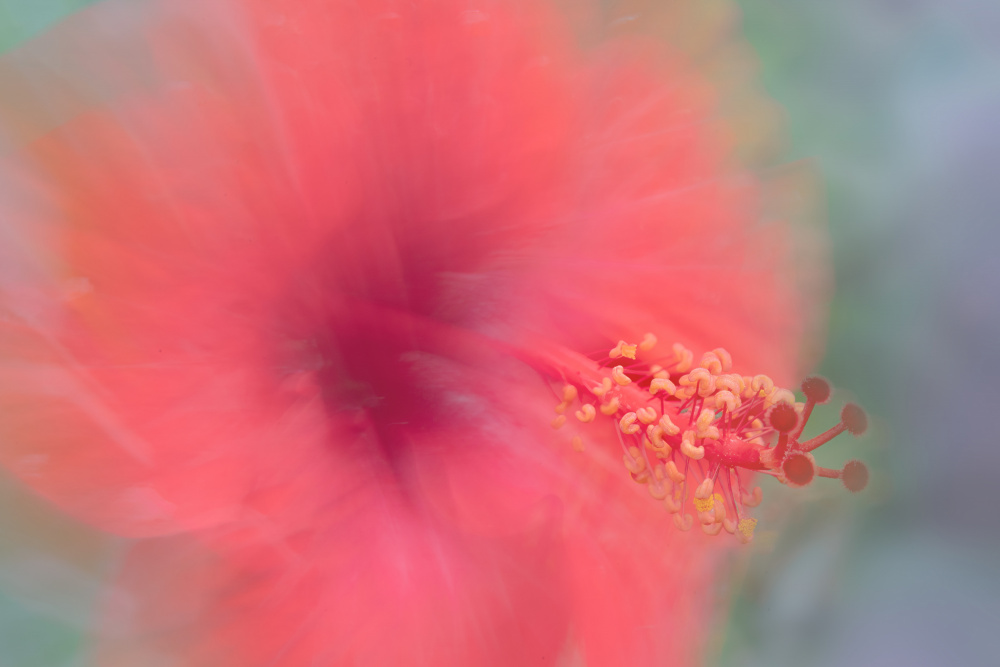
[897,103]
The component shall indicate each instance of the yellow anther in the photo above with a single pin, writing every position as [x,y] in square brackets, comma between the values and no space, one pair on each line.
[648,342]
[720,508]
[672,505]
[559,421]
[684,393]
[662,384]
[731,383]
[756,423]
[727,400]
[646,415]
[753,499]
[745,528]
[676,476]
[705,419]
[577,443]
[704,490]
[711,362]
[635,462]
[618,375]
[689,449]
[611,407]
[762,385]
[569,393]
[657,371]
[683,356]
[683,522]
[627,424]
[605,387]
[586,413]
[700,378]
[704,425]
[658,490]
[561,408]
[622,349]
[723,355]
[668,426]
[711,528]
[655,434]
[779,396]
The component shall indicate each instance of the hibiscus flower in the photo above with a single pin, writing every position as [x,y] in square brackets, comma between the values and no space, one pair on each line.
[293,291]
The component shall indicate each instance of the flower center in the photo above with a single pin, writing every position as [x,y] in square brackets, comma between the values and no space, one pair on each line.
[692,434]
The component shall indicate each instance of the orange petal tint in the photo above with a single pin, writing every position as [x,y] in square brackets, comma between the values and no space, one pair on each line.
[292,295]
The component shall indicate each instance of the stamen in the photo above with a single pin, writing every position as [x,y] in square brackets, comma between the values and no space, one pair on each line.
[627,424]
[618,375]
[852,418]
[689,449]
[646,415]
[662,384]
[730,420]
[648,342]
[622,349]
[611,407]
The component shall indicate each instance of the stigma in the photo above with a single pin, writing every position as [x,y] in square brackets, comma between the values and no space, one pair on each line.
[694,433]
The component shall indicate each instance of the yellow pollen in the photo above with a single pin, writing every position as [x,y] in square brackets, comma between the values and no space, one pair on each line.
[746,527]
[627,424]
[648,342]
[618,375]
[646,415]
[559,421]
[569,393]
[611,407]
[586,413]
[622,349]
[689,449]
[662,384]
[577,443]
[704,504]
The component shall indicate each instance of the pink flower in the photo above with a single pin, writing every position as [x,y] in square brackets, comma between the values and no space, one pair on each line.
[294,308]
